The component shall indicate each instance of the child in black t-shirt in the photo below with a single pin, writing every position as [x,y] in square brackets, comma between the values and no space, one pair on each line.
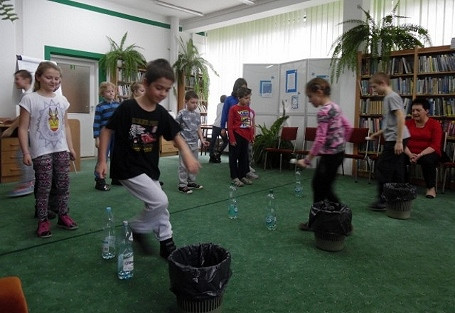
[138,124]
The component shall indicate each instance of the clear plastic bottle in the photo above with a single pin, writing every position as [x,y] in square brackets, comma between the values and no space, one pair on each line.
[270,215]
[233,210]
[108,246]
[125,264]
[298,190]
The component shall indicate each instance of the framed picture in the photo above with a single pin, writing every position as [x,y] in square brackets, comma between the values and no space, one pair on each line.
[265,88]
[291,81]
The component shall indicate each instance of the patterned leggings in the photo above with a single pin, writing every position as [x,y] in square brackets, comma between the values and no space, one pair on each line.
[47,167]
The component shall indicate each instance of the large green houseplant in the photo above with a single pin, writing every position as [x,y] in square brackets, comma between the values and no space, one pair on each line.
[190,64]
[376,39]
[268,138]
[7,11]
[128,58]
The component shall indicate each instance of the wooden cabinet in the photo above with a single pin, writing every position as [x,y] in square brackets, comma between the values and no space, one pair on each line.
[167,148]
[10,170]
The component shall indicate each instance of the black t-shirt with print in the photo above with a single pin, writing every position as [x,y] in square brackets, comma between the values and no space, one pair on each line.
[137,133]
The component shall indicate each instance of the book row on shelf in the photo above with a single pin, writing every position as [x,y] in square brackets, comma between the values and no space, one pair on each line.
[439,106]
[121,76]
[436,85]
[124,90]
[437,63]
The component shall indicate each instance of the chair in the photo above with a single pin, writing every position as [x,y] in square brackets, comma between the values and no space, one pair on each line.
[12,299]
[309,136]
[287,134]
[448,165]
[373,155]
[358,138]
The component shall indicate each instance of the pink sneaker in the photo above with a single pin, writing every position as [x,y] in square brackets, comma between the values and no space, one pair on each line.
[66,222]
[44,229]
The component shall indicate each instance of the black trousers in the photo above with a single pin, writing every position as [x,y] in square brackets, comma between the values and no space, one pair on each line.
[429,163]
[324,177]
[390,167]
[238,158]
[216,131]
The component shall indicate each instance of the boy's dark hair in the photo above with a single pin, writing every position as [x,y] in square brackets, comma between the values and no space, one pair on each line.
[243,92]
[379,78]
[318,84]
[239,82]
[222,98]
[24,74]
[422,101]
[191,94]
[159,68]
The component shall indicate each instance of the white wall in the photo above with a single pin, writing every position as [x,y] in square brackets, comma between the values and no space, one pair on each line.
[46,23]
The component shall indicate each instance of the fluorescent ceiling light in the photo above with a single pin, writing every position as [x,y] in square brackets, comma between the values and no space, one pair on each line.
[176,7]
[248,2]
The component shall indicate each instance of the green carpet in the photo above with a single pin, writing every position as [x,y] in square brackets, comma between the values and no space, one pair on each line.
[387,265]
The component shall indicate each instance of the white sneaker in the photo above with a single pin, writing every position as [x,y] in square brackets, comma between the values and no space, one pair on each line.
[252,170]
[251,175]
[237,182]
[246,181]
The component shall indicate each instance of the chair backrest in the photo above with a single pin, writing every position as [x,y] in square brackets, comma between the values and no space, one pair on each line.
[310,135]
[288,134]
[449,147]
[358,135]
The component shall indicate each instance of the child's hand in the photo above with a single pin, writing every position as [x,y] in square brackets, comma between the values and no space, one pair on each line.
[193,166]
[301,163]
[27,159]
[72,155]
[206,143]
[101,169]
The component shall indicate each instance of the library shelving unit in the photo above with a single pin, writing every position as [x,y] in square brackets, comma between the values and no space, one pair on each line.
[124,83]
[420,72]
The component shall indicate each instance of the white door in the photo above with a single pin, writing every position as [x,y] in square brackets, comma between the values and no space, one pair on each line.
[80,87]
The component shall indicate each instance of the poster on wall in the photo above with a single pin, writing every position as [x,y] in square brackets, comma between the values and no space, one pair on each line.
[291,80]
[265,88]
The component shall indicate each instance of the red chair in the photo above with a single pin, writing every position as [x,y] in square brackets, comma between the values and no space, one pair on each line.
[360,149]
[448,165]
[309,136]
[287,134]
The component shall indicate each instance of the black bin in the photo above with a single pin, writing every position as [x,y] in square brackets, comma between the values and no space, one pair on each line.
[331,223]
[198,276]
[399,198]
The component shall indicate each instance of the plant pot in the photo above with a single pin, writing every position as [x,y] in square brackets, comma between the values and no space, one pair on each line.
[399,209]
[329,242]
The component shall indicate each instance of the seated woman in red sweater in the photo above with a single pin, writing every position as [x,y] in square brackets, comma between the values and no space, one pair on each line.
[424,146]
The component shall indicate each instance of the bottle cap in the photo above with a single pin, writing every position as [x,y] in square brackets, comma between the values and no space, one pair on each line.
[108,208]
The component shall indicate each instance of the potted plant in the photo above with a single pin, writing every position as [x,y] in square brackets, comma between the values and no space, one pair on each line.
[376,39]
[128,58]
[7,11]
[191,65]
[268,138]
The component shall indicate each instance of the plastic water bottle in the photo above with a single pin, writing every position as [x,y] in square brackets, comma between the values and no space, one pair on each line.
[125,264]
[298,190]
[233,210]
[270,217]
[108,246]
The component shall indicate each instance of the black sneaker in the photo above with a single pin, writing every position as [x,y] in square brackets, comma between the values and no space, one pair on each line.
[195,186]
[101,185]
[214,159]
[186,190]
[166,248]
[378,206]
[143,242]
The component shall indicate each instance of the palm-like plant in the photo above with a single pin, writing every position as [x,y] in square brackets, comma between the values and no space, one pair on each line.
[7,11]
[377,39]
[191,64]
[131,59]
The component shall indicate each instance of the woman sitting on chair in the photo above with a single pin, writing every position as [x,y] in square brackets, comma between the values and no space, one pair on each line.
[424,146]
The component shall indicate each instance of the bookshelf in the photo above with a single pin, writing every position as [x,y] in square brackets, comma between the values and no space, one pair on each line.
[189,84]
[420,72]
[123,83]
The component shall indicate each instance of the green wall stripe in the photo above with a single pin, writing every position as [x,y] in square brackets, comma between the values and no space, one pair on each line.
[48,50]
[112,13]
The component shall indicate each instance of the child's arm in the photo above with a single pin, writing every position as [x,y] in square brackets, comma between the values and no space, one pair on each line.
[69,139]
[191,163]
[24,123]
[201,137]
[376,134]
[101,165]
[400,125]
[9,131]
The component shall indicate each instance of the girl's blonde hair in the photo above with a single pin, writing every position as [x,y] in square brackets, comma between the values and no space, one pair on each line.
[43,67]
[135,87]
[104,86]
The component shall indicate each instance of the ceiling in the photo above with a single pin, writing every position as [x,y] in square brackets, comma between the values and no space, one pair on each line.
[219,13]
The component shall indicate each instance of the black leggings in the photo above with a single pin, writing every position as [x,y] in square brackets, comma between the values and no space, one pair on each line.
[324,177]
